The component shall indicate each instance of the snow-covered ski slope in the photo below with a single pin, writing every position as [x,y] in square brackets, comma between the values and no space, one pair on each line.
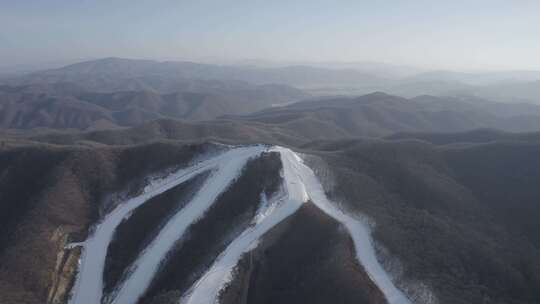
[299,186]
[88,287]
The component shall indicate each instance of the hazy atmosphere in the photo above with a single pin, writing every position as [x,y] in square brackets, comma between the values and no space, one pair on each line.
[458,35]
[263,152]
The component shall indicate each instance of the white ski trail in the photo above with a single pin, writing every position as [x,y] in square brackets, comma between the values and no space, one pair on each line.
[359,232]
[147,263]
[206,289]
[88,288]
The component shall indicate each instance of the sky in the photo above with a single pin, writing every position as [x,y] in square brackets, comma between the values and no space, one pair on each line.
[433,34]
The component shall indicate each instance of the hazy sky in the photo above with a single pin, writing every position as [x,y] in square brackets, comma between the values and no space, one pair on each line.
[457,34]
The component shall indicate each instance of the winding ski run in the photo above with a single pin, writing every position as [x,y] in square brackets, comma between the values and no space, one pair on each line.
[300,185]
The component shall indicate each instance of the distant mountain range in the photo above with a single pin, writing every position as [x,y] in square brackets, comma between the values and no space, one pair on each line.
[380,114]
[65,105]
[284,109]
[116,92]
[112,74]
[117,74]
